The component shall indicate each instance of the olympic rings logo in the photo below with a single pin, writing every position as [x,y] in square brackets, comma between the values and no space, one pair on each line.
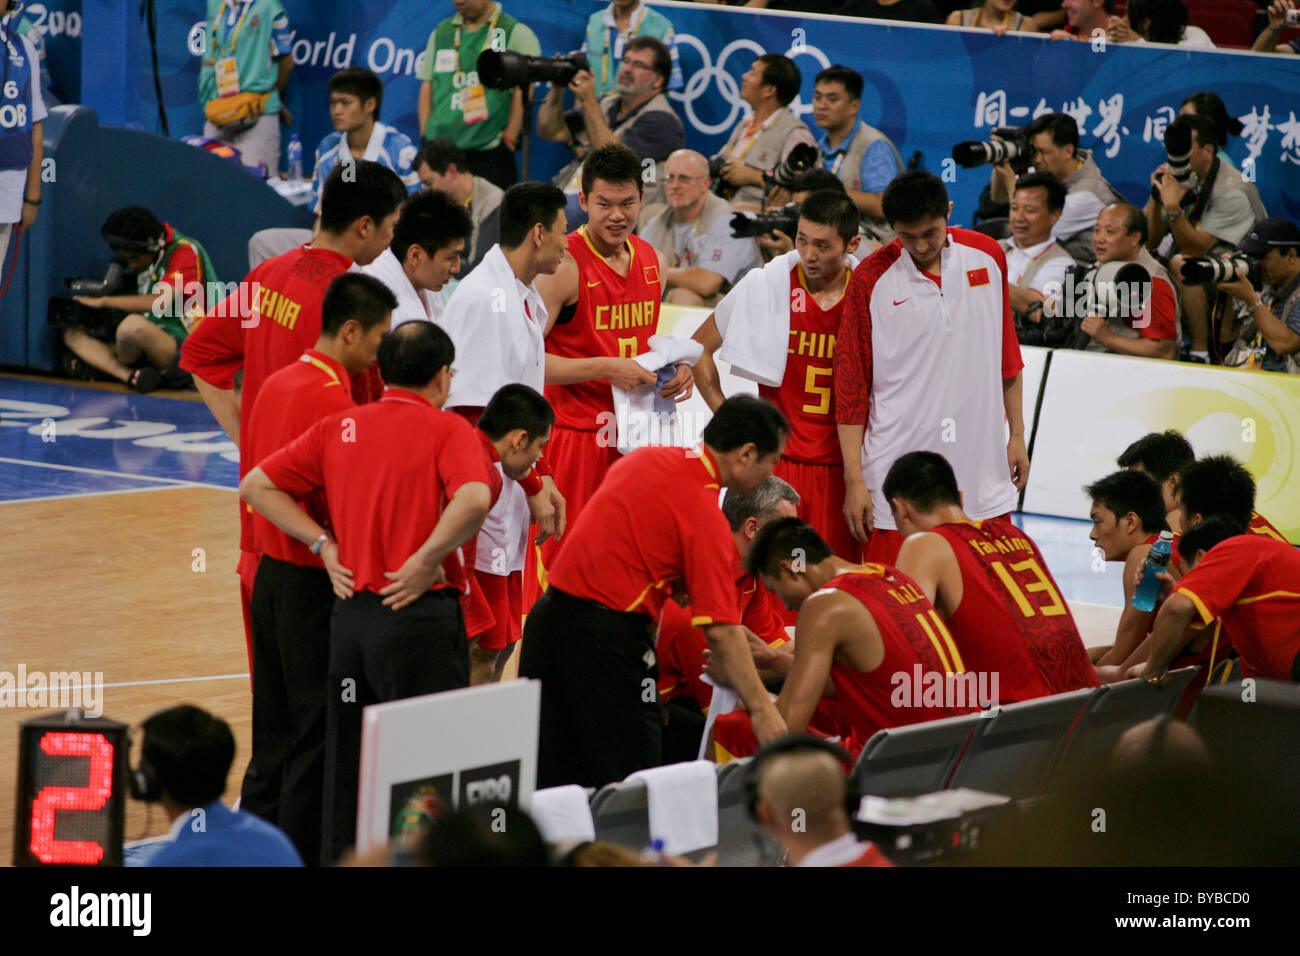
[709,73]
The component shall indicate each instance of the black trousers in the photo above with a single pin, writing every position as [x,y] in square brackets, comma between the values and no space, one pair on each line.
[291,624]
[496,165]
[376,655]
[600,716]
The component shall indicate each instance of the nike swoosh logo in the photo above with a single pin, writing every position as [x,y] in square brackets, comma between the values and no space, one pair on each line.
[901,301]
[597,282]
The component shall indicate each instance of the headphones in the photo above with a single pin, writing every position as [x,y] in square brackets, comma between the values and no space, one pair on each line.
[801,743]
[143,779]
[132,245]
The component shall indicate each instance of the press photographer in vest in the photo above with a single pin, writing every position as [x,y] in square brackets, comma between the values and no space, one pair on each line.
[1207,211]
[22,112]
[1153,330]
[694,233]
[638,116]
[1036,262]
[1054,144]
[1269,337]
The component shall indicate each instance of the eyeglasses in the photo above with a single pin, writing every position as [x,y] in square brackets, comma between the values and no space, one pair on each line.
[672,178]
[638,64]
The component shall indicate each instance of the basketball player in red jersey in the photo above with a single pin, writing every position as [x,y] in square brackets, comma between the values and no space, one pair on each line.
[278,318]
[867,632]
[602,307]
[812,279]
[989,582]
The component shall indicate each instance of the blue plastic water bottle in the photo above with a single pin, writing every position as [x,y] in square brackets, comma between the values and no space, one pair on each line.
[1144,598]
[295,159]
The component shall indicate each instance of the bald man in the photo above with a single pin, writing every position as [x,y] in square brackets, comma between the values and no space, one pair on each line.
[694,233]
[801,792]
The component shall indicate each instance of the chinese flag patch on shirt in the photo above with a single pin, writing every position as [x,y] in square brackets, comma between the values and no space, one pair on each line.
[652,274]
[977,277]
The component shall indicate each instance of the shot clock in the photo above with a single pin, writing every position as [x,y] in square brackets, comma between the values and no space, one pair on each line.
[72,791]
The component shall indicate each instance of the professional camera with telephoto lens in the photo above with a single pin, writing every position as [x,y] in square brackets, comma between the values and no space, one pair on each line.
[784,174]
[65,312]
[747,225]
[1178,156]
[1222,269]
[503,69]
[1111,290]
[1012,145]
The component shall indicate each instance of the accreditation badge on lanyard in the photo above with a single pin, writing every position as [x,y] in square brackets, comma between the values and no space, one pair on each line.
[227,71]
[473,99]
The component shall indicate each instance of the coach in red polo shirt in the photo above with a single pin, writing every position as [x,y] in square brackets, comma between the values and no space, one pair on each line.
[407,486]
[276,314]
[292,594]
[652,529]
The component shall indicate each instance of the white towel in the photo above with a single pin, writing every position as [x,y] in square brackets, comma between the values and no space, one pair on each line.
[754,321]
[637,420]
[723,701]
[683,803]
[412,305]
[563,815]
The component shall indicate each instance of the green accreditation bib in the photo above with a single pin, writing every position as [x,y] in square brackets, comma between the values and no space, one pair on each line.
[464,110]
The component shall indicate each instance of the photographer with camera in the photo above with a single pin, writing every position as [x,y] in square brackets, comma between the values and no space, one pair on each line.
[1035,261]
[772,230]
[454,102]
[1053,140]
[115,332]
[694,233]
[1120,237]
[862,157]
[1269,339]
[1282,14]
[638,116]
[1204,207]
[767,138]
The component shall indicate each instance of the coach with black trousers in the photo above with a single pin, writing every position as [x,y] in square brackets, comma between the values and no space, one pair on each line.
[406,485]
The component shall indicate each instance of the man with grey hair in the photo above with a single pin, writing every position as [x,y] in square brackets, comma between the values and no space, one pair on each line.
[694,233]
[680,647]
[801,799]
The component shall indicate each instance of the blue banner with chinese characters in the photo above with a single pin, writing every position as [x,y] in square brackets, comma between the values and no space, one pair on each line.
[926,87]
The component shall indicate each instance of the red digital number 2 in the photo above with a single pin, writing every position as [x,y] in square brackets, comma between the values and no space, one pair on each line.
[93,796]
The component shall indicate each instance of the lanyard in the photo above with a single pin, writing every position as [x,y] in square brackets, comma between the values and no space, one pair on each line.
[491,24]
[234,40]
[604,57]
[695,229]
[312,360]
[1046,249]
[756,134]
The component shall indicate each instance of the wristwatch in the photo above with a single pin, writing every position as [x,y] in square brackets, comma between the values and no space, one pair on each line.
[318,544]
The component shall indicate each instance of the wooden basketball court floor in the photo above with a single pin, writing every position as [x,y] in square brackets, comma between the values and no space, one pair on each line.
[118,552]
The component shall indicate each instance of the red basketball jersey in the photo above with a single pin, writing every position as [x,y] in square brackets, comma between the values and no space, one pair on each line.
[1261,525]
[1012,620]
[805,396]
[917,644]
[615,316]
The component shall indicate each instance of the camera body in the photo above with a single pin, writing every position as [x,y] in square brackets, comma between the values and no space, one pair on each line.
[747,225]
[783,175]
[1178,157]
[504,69]
[1013,147]
[1217,269]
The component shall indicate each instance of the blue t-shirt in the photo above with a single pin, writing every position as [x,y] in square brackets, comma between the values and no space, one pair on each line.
[879,166]
[215,835]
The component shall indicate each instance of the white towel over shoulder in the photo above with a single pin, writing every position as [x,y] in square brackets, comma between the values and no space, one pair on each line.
[754,321]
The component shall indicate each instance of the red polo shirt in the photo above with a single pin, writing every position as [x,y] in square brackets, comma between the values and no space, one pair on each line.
[388,468]
[1252,583]
[290,402]
[264,326]
[652,524]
